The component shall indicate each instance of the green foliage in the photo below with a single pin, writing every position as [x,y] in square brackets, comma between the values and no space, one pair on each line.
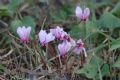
[116,10]
[108,20]
[115,44]
[13,6]
[15,24]
[61,16]
[91,69]
[117,63]
[2,68]
[103,3]
[105,70]
[75,32]
[4,11]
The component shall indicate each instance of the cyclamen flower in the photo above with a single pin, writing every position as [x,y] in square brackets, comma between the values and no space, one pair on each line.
[63,48]
[24,33]
[65,37]
[80,48]
[82,14]
[57,32]
[45,37]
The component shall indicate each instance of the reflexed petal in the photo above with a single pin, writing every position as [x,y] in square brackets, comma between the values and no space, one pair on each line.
[78,12]
[42,36]
[86,12]
[28,30]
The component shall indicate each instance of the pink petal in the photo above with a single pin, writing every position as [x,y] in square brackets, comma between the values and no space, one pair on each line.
[42,36]
[24,33]
[61,49]
[28,30]
[78,12]
[57,32]
[86,12]
[80,42]
[64,48]
[49,37]
[77,50]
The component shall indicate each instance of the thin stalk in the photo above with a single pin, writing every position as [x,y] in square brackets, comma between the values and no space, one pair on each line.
[43,23]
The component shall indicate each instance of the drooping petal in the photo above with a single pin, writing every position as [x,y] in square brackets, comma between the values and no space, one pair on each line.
[78,12]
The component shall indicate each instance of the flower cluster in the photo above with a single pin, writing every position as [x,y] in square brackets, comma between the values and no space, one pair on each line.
[64,39]
[66,42]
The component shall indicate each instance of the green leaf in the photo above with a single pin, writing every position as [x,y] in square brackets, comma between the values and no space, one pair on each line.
[2,68]
[59,16]
[91,27]
[108,20]
[44,1]
[75,32]
[116,9]
[115,44]
[117,63]
[28,21]
[102,3]
[105,70]
[15,24]
[14,5]
[90,70]
[4,11]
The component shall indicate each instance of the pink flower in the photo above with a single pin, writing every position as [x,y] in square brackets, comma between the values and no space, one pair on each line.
[80,48]
[24,33]
[82,14]
[45,37]
[64,47]
[57,32]
[65,37]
